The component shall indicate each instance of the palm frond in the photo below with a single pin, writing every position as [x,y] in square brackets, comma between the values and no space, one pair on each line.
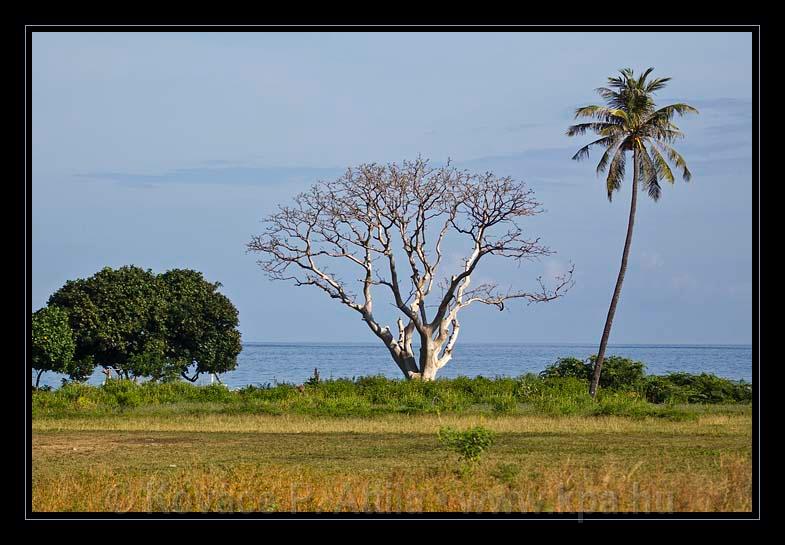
[656,84]
[680,108]
[642,77]
[648,174]
[615,172]
[603,113]
[584,151]
[609,152]
[603,129]
[663,169]
[617,82]
[662,133]
[606,93]
[676,157]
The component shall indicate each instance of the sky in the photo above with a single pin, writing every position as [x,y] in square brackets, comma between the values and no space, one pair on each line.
[166,150]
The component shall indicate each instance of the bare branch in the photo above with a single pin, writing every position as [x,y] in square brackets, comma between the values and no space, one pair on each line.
[370,212]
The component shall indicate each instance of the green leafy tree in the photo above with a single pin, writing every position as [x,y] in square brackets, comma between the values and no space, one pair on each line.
[631,122]
[117,316]
[201,325]
[53,343]
[147,325]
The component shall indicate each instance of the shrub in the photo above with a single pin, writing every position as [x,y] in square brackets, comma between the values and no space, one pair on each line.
[123,393]
[214,392]
[659,389]
[618,373]
[568,367]
[71,391]
[707,388]
[527,387]
[469,444]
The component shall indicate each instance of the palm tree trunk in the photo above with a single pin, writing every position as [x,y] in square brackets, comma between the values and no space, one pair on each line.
[595,381]
[38,378]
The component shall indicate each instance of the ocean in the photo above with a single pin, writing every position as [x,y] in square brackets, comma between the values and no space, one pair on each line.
[262,363]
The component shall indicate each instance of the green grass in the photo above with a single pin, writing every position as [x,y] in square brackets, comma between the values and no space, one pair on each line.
[371,396]
[372,444]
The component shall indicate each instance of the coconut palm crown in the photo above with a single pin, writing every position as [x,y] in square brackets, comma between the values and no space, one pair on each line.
[630,121]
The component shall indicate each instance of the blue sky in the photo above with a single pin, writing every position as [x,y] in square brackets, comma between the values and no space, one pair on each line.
[166,150]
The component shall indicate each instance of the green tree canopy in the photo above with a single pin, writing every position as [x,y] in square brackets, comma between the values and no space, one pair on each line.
[117,317]
[148,325]
[631,121]
[53,343]
[201,324]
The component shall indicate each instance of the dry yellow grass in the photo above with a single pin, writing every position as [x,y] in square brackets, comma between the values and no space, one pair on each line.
[562,487]
[390,464]
[710,423]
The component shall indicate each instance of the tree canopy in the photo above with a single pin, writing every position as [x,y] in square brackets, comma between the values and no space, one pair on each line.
[631,121]
[147,325]
[53,343]
[200,324]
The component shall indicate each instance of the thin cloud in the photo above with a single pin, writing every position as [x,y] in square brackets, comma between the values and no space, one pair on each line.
[218,176]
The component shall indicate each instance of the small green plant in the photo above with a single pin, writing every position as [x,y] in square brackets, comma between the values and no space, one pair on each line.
[469,444]
[506,473]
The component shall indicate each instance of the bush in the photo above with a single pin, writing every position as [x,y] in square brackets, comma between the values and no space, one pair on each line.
[619,373]
[123,393]
[469,444]
[568,367]
[707,388]
[658,389]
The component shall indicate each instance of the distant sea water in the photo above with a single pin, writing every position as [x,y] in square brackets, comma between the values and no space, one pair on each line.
[262,363]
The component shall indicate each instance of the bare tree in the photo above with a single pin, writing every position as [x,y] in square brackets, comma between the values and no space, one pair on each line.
[373,212]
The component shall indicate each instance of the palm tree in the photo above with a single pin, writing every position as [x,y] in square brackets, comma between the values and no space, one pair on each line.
[630,122]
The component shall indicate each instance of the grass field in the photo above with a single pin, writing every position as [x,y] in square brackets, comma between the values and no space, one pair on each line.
[178,461]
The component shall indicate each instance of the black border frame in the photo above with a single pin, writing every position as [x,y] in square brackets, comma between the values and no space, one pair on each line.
[24,32]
